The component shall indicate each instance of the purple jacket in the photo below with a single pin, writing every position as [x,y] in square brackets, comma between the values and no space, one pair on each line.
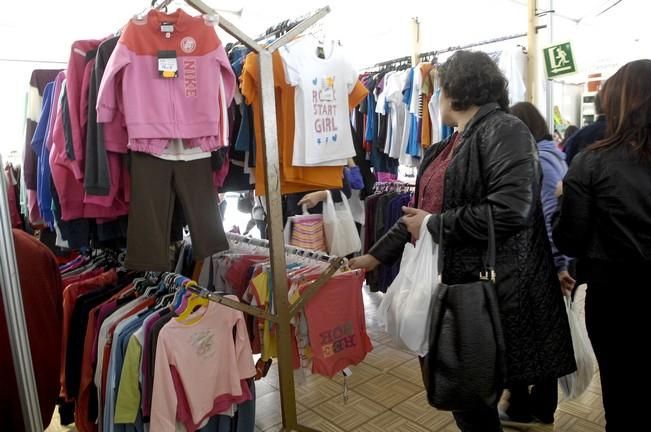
[554,169]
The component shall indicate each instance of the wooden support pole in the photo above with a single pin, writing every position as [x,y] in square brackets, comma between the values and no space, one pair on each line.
[532,51]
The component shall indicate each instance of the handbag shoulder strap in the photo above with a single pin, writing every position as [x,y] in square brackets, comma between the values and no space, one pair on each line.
[489,264]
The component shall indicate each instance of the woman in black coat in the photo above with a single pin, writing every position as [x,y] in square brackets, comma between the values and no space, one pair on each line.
[605,221]
[491,161]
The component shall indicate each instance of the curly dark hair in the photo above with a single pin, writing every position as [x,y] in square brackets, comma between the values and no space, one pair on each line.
[473,78]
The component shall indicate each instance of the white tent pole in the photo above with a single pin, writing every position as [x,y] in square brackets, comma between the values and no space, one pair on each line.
[15,316]
[532,53]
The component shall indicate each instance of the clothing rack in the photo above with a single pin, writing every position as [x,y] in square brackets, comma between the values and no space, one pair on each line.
[471,45]
[15,313]
[284,26]
[335,264]
[400,61]
[433,54]
[398,186]
[291,250]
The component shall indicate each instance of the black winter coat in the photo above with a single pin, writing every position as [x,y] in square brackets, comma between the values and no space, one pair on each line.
[497,164]
[606,211]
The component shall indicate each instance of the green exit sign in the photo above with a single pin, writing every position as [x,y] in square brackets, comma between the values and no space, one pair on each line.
[559,60]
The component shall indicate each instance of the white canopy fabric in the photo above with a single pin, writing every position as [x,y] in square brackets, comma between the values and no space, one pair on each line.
[42,30]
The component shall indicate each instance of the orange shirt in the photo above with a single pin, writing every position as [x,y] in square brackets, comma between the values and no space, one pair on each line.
[426,135]
[292,179]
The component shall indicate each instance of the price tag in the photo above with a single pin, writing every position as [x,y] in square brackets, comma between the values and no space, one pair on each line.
[167,64]
[168,29]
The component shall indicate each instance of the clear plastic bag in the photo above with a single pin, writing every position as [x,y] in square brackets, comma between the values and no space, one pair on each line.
[574,384]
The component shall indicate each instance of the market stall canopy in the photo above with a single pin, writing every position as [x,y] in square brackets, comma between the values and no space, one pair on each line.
[604,33]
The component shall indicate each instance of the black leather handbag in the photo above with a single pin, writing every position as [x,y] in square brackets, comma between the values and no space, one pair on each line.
[465,366]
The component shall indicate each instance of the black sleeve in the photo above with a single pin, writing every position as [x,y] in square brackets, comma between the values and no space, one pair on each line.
[361,162]
[511,172]
[97,180]
[67,125]
[98,175]
[573,226]
[389,248]
[571,148]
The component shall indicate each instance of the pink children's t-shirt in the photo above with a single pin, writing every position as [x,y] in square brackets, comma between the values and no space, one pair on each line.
[211,357]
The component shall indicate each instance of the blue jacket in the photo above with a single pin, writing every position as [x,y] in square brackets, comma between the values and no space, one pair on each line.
[554,169]
[44,192]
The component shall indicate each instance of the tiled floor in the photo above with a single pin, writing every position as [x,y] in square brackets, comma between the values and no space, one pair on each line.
[386,395]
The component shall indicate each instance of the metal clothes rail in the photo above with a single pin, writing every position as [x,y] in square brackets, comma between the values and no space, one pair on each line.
[434,53]
[472,45]
[335,264]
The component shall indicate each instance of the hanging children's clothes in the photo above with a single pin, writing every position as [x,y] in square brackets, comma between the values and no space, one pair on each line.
[337,325]
[116,328]
[293,178]
[383,210]
[171,138]
[188,91]
[44,195]
[152,206]
[82,53]
[106,175]
[191,351]
[39,79]
[324,80]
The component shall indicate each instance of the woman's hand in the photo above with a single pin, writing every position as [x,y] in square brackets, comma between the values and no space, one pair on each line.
[366,262]
[559,189]
[313,199]
[567,282]
[414,218]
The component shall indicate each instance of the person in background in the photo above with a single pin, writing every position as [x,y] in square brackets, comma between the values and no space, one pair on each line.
[313,201]
[42,293]
[587,135]
[539,404]
[554,168]
[491,163]
[571,130]
[605,220]
[557,137]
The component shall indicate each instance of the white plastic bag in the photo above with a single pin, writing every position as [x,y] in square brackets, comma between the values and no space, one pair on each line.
[574,384]
[405,308]
[341,233]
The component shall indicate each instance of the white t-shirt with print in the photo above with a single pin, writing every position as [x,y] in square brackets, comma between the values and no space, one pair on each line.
[322,134]
[398,112]
[380,108]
